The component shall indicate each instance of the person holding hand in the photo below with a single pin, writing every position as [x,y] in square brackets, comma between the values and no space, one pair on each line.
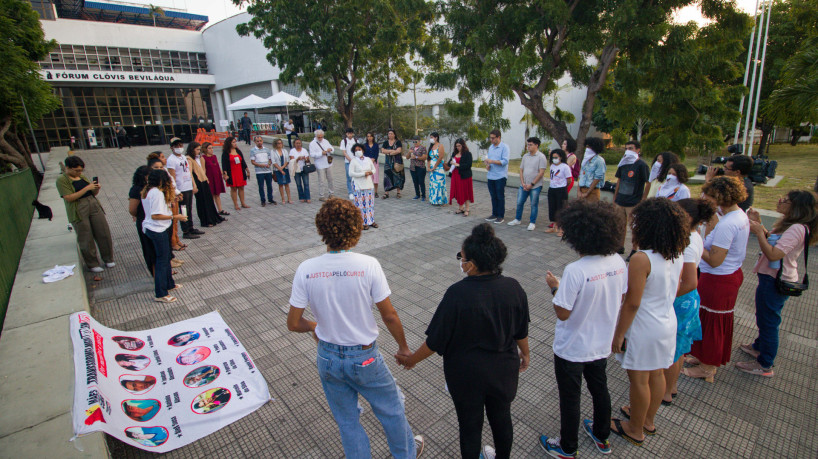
[156,199]
[481,330]
[86,215]
[348,360]
[586,303]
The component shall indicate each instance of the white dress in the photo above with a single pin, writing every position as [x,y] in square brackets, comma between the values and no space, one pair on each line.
[651,338]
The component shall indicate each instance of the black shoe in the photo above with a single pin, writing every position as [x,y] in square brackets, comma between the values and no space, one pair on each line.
[263,204]
[491,218]
[190,236]
[223,213]
[196,231]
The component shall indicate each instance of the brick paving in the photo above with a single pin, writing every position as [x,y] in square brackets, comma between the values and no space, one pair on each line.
[243,268]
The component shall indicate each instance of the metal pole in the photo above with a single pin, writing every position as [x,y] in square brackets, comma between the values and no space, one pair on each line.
[34,139]
[753,79]
[760,77]
[746,76]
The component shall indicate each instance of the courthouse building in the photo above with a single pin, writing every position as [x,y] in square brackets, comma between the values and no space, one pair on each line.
[161,76]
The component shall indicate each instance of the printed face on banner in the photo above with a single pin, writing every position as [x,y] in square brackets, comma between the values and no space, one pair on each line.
[141,410]
[165,383]
[210,401]
[183,339]
[132,362]
[193,355]
[129,343]
[201,376]
[137,385]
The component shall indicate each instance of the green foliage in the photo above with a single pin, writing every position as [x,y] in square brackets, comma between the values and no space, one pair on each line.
[338,45]
[23,45]
[796,99]
[685,87]
[370,117]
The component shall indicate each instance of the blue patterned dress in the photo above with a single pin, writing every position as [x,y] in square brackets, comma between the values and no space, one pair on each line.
[437,180]
[688,324]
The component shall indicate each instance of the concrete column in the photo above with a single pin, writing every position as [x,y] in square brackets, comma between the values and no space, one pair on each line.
[228,115]
[275,86]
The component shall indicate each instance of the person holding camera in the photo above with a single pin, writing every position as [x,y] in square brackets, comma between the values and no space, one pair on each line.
[780,250]
[736,166]
[86,214]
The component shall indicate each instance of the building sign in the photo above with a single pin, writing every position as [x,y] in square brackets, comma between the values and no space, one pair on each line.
[101,77]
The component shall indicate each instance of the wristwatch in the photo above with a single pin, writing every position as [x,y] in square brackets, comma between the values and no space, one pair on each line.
[554,291]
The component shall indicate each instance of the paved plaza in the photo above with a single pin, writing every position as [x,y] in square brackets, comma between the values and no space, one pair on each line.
[244,267]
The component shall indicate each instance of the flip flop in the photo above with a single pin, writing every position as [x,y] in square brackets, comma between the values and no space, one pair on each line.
[628,416]
[97,278]
[666,403]
[177,287]
[165,299]
[618,430]
[459,212]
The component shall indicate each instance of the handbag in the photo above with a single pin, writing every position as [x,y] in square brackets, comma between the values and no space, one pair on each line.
[794,288]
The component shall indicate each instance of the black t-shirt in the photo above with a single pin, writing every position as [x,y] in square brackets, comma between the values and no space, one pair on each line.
[79,185]
[748,184]
[136,193]
[632,180]
[479,317]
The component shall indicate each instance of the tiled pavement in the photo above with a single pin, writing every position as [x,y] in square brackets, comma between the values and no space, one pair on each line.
[244,269]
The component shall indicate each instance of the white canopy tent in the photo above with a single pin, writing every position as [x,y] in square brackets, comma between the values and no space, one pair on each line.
[251,102]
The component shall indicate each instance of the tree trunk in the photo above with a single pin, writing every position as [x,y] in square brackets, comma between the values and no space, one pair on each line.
[7,151]
[766,132]
[534,103]
[594,86]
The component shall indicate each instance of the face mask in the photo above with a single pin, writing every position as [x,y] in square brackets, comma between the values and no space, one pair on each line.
[177,151]
[555,160]
[671,177]
[461,268]
[359,154]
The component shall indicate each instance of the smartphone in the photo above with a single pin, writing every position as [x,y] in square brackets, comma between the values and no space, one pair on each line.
[95,179]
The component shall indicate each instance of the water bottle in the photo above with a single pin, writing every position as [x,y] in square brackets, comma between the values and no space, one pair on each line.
[773,239]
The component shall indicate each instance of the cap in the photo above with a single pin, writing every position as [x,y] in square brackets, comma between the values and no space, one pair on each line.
[416,138]
[175,140]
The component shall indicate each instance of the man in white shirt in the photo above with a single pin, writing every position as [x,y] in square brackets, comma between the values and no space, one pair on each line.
[320,152]
[179,170]
[532,169]
[340,288]
[346,146]
[586,303]
[260,158]
[289,129]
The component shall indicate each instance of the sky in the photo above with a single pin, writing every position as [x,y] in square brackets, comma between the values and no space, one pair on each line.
[216,10]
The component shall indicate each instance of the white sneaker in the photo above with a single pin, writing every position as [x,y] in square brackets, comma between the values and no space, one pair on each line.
[488,453]
[531,226]
[110,265]
[98,269]
[514,222]
[351,197]
[419,444]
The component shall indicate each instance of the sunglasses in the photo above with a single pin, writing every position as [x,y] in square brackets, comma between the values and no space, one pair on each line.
[460,257]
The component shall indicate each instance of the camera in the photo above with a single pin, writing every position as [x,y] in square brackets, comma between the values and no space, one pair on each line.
[736,149]
[719,160]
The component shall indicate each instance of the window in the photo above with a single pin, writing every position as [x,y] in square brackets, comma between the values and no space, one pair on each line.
[79,57]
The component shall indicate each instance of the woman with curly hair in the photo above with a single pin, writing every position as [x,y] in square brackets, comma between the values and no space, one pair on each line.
[586,315]
[156,197]
[340,288]
[674,187]
[461,189]
[780,251]
[686,304]
[361,171]
[724,250]
[645,336]
[481,330]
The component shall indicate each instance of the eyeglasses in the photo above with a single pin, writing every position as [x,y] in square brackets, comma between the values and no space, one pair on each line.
[784,200]
[460,257]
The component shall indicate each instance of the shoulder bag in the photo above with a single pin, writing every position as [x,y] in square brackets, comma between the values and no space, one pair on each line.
[397,165]
[794,288]
[308,166]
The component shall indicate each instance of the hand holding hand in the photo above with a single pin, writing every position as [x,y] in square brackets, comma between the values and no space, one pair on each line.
[551,280]
[757,228]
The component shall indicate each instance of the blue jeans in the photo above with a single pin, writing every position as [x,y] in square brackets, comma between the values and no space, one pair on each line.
[497,191]
[302,182]
[349,179]
[343,377]
[768,317]
[162,277]
[522,195]
[262,179]
[290,136]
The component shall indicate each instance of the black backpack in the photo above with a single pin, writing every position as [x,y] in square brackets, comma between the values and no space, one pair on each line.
[758,172]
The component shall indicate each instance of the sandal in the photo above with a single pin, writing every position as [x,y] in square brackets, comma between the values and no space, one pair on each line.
[178,248]
[374,225]
[398,196]
[176,287]
[221,212]
[165,299]
[366,227]
[699,373]
[97,278]
[627,414]
[247,207]
[459,212]
[376,195]
[618,430]
[386,196]
[466,213]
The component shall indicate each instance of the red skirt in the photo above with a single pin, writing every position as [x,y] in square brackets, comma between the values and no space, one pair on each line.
[570,185]
[460,189]
[718,298]
[236,174]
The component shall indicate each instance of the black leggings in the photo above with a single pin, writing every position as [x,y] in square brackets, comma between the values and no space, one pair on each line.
[569,384]
[557,197]
[472,392]
[419,180]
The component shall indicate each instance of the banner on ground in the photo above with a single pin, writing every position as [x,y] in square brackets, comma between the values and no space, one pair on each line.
[163,388]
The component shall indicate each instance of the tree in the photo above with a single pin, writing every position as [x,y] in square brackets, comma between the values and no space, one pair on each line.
[795,101]
[337,44]
[685,87]
[524,48]
[155,11]
[23,45]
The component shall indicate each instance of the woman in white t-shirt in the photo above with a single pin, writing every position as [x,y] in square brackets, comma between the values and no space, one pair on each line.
[674,187]
[686,304]
[156,198]
[281,171]
[658,171]
[724,250]
[557,188]
[645,336]
[361,171]
[781,249]
[302,178]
